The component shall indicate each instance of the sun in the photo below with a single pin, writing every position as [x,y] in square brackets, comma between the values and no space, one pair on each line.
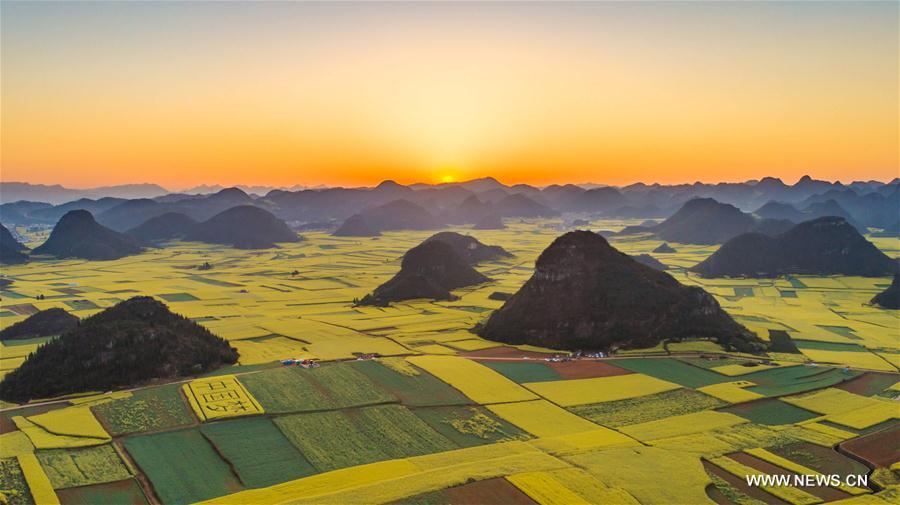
[447,178]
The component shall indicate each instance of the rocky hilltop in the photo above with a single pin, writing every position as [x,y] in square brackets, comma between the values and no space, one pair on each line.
[585,294]
[168,226]
[78,235]
[54,321]
[490,222]
[824,246]
[706,221]
[890,297]
[469,248]
[429,270]
[356,226]
[243,227]
[10,248]
[125,345]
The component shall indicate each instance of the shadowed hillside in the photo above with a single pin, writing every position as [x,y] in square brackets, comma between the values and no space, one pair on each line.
[890,297]
[469,248]
[54,321]
[824,246]
[132,342]
[78,235]
[243,227]
[585,294]
[168,226]
[429,270]
[10,248]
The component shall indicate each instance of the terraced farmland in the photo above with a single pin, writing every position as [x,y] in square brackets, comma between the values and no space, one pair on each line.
[443,416]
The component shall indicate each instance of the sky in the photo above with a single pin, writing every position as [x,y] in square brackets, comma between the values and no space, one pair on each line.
[284,93]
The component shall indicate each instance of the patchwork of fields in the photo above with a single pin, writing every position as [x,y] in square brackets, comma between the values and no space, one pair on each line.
[444,416]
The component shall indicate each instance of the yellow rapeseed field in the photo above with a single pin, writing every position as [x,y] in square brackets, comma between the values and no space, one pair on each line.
[38,483]
[797,468]
[14,443]
[731,392]
[545,490]
[569,393]
[574,443]
[589,488]
[650,474]
[686,424]
[63,428]
[848,409]
[218,397]
[789,494]
[542,419]
[476,381]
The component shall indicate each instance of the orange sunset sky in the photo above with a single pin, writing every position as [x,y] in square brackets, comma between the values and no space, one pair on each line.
[279,93]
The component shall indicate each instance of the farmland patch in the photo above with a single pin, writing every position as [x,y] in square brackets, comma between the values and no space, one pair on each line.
[182,466]
[258,451]
[220,397]
[332,440]
[84,466]
[600,389]
[469,426]
[413,386]
[672,370]
[146,410]
[770,412]
[523,371]
[123,492]
[647,408]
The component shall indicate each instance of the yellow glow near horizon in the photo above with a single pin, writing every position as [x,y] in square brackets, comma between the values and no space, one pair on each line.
[284,93]
[447,178]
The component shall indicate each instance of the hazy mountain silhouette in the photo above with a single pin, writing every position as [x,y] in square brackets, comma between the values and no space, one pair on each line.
[490,222]
[400,215]
[168,226]
[824,246]
[706,221]
[356,226]
[243,227]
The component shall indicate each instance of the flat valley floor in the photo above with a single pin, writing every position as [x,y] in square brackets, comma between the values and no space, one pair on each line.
[443,416]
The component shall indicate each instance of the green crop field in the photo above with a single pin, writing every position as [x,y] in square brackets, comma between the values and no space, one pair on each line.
[147,410]
[258,451]
[83,466]
[332,440]
[413,389]
[469,426]
[672,370]
[284,390]
[297,389]
[771,411]
[524,372]
[183,466]
[12,483]
[647,408]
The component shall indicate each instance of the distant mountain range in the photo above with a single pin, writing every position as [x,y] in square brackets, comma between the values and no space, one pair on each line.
[56,194]
[768,205]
